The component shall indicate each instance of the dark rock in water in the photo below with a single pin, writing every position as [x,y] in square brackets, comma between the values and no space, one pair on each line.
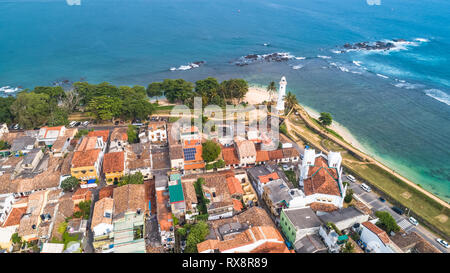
[199,62]
[272,57]
[378,45]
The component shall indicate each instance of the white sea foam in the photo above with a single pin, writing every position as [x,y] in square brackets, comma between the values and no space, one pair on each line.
[9,89]
[382,76]
[357,63]
[296,67]
[336,51]
[323,57]
[423,40]
[438,95]
[407,85]
[186,67]
[300,58]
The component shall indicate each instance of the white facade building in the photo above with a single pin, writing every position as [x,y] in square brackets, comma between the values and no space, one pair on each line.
[281,95]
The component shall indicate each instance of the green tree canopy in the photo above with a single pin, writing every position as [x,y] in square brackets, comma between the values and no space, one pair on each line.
[196,235]
[233,89]
[6,116]
[30,109]
[177,90]
[70,183]
[271,88]
[325,119]
[132,134]
[386,221]
[104,107]
[155,89]
[55,94]
[291,101]
[4,145]
[58,117]
[210,151]
[136,178]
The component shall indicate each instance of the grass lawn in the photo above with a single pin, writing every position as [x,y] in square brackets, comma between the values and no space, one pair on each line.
[416,201]
[292,177]
[79,116]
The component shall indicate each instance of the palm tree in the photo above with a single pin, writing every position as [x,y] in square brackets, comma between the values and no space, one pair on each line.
[272,89]
[291,101]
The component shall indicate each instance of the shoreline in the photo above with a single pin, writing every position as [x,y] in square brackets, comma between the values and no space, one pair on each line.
[352,142]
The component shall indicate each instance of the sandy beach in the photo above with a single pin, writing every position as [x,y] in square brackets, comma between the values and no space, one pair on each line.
[338,128]
[257,95]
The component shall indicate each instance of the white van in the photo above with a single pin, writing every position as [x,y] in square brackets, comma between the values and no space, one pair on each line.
[72,123]
[365,187]
[351,178]
[413,221]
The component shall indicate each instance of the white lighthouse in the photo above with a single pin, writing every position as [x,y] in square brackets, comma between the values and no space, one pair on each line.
[281,95]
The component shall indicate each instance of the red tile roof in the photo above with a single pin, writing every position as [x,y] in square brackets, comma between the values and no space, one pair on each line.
[229,156]
[85,158]
[262,156]
[234,186]
[194,166]
[322,179]
[106,192]
[114,162]
[269,177]
[276,154]
[82,194]
[237,205]
[14,216]
[102,133]
[377,231]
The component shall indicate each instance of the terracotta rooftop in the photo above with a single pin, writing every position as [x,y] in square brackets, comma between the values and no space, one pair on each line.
[290,152]
[130,197]
[234,186]
[208,244]
[102,206]
[237,205]
[267,178]
[262,156]
[14,216]
[119,134]
[82,194]
[192,166]
[276,154]
[114,162]
[246,148]
[250,236]
[85,158]
[176,152]
[163,214]
[229,156]
[155,125]
[322,179]
[138,156]
[87,143]
[102,133]
[190,197]
[106,192]
[377,231]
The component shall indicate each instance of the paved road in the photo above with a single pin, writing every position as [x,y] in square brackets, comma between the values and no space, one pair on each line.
[402,220]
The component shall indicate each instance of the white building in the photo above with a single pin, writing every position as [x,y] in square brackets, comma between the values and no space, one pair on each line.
[157,131]
[281,95]
[376,239]
[6,201]
[321,179]
[48,135]
[3,130]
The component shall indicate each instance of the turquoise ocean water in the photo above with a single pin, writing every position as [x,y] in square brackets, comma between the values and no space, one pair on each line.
[397,103]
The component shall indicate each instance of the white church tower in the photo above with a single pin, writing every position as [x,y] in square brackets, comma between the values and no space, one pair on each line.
[281,95]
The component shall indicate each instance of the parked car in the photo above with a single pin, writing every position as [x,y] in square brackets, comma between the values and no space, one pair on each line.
[351,178]
[413,221]
[77,124]
[86,123]
[116,122]
[382,199]
[442,242]
[366,187]
[397,210]
[16,127]
[72,124]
